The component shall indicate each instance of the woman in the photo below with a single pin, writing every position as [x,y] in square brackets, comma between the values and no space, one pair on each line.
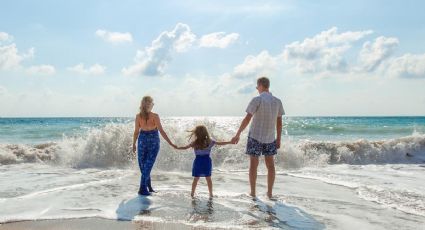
[147,125]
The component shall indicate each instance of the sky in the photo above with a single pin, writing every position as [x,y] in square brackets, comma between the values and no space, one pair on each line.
[202,58]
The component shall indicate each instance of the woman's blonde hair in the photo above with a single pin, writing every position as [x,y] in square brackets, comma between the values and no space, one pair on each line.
[202,138]
[146,107]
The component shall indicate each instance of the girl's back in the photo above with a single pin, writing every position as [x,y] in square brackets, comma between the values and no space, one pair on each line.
[204,151]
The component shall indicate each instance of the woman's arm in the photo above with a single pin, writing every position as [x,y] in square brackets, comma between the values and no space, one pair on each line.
[161,130]
[136,132]
[184,147]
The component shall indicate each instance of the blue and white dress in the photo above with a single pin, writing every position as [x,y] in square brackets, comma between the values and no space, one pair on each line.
[202,165]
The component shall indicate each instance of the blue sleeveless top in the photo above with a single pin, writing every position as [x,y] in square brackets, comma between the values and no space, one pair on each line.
[206,151]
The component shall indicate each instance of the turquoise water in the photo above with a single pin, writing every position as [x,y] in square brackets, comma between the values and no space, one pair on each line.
[39,130]
[348,128]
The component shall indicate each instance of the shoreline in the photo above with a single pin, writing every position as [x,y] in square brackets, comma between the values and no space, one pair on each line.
[95,223]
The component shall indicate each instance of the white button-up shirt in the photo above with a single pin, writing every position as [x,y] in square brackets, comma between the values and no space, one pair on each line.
[265,109]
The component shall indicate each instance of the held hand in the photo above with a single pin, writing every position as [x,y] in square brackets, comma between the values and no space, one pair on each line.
[235,139]
[134,148]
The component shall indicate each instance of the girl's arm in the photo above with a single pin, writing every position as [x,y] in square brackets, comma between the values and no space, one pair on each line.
[136,132]
[161,130]
[223,142]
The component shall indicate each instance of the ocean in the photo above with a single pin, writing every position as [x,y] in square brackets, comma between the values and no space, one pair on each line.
[332,173]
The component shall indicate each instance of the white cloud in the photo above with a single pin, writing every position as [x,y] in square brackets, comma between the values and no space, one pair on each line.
[10,58]
[254,66]
[3,90]
[42,69]
[182,36]
[323,52]
[114,37]
[247,88]
[218,39]
[153,59]
[326,54]
[241,81]
[95,69]
[5,37]
[408,66]
[373,54]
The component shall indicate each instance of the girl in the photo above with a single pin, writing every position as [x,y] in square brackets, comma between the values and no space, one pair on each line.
[146,128]
[202,165]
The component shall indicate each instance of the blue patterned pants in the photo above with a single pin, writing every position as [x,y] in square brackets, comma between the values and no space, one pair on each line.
[147,150]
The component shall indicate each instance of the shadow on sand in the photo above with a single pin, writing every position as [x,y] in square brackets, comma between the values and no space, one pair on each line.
[263,212]
[128,209]
[279,215]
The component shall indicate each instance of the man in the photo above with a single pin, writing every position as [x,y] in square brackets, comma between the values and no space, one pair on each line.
[266,112]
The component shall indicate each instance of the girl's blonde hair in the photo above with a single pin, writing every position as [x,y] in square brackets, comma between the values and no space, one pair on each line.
[202,138]
[146,107]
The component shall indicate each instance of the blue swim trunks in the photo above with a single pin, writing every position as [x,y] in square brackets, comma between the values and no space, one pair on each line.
[256,148]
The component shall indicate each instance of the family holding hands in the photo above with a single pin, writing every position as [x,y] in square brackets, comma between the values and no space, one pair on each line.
[264,138]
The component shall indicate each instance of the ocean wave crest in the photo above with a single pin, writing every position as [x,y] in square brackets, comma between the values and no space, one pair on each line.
[110,146]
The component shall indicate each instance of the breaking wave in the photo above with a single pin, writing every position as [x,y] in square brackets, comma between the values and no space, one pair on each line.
[110,146]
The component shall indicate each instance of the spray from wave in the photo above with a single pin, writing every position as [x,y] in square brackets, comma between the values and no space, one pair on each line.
[409,149]
[110,146]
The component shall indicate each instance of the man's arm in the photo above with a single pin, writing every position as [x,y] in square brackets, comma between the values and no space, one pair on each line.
[244,124]
[250,110]
[279,124]
[278,131]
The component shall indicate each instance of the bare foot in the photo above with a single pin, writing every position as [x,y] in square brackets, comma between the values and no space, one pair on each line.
[253,196]
[192,195]
[269,195]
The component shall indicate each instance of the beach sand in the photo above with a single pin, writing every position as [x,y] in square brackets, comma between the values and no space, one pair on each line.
[301,204]
[92,223]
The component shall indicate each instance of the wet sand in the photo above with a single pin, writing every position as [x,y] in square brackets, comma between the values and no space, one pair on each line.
[93,223]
